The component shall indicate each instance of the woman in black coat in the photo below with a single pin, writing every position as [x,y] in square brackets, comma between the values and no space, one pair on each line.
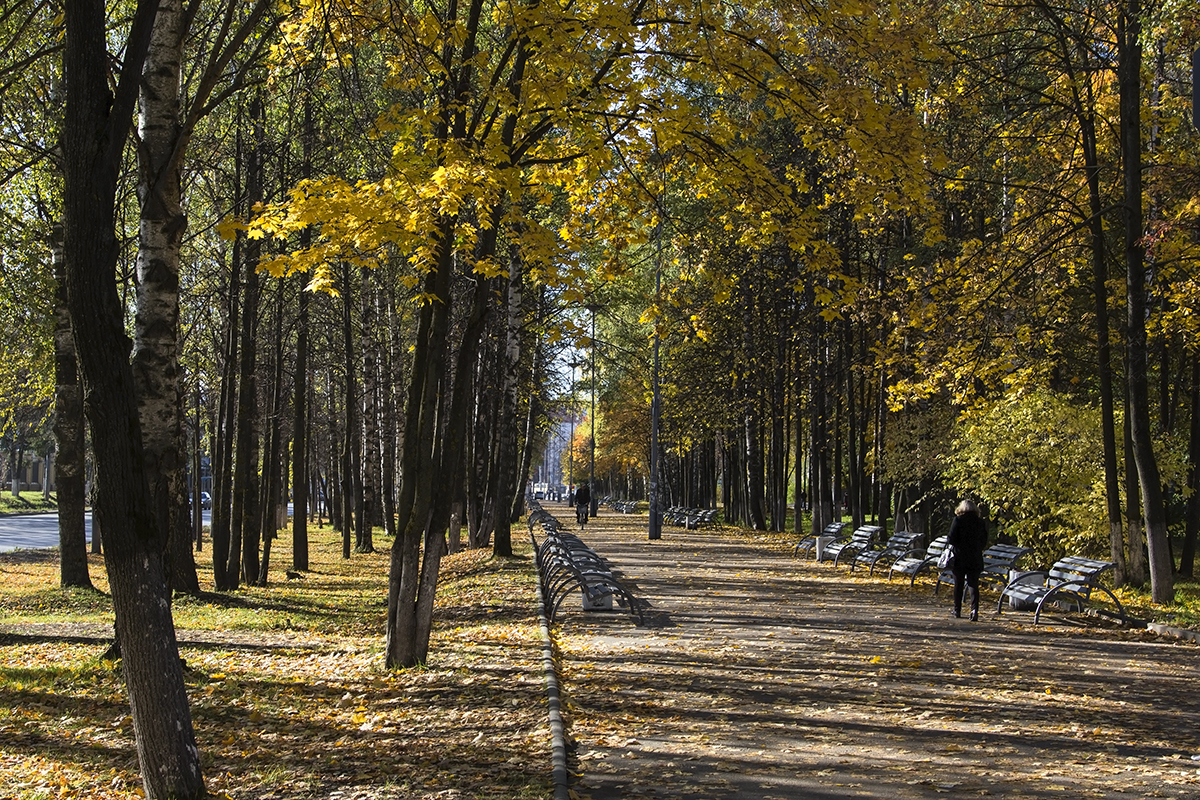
[968,536]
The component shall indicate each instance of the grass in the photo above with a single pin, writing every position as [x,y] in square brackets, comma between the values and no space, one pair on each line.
[26,502]
[288,692]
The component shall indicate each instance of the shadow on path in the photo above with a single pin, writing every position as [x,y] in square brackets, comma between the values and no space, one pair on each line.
[759,676]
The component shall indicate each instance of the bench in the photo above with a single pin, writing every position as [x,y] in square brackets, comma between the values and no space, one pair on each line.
[900,543]
[625,506]
[691,518]
[998,561]
[1071,581]
[565,563]
[918,560]
[863,538]
[834,531]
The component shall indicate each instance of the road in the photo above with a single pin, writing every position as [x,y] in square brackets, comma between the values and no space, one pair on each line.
[39,531]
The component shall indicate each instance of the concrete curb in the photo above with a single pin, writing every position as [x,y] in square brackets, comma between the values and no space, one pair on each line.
[1178,633]
[558,736]
[1162,629]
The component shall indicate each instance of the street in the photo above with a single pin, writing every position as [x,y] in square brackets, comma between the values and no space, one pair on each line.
[33,531]
[39,531]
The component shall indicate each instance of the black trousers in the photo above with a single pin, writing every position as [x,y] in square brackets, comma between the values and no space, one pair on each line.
[963,580]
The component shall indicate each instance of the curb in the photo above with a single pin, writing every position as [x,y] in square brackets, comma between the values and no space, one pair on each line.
[558,737]
[1178,633]
[1162,629]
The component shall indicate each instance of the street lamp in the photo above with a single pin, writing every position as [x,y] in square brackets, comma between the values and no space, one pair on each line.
[592,470]
[575,363]
[655,506]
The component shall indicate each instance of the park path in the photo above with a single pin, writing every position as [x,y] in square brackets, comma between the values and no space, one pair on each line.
[759,676]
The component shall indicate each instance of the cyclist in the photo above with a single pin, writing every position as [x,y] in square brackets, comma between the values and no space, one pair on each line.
[583,501]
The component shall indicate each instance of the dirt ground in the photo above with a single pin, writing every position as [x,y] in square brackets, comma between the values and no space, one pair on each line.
[759,676]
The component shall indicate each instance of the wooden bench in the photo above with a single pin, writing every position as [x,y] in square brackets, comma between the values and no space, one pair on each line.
[918,560]
[864,538]
[900,543]
[1070,582]
[834,530]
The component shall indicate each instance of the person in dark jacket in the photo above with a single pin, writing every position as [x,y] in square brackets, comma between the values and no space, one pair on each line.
[968,536]
[583,499]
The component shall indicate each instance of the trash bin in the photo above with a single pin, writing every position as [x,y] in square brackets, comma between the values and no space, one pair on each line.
[822,543]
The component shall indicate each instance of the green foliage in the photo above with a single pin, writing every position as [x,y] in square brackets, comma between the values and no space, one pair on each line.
[1037,459]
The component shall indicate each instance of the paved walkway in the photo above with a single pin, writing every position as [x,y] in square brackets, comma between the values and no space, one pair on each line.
[758,676]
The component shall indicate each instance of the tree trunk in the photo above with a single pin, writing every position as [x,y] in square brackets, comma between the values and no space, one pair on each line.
[273,461]
[95,127]
[1192,526]
[416,483]
[352,498]
[68,434]
[155,351]
[1162,588]
[300,475]
[506,460]
[370,417]
[450,467]
[243,561]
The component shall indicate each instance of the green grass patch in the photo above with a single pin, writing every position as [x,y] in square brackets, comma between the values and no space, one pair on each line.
[26,502]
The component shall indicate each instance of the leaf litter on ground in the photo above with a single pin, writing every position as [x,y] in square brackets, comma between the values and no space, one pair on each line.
[288,692]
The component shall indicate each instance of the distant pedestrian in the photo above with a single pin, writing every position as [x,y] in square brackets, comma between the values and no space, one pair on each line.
[583,499]
[968,537]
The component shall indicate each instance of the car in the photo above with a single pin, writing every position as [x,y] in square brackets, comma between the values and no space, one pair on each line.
[205,500]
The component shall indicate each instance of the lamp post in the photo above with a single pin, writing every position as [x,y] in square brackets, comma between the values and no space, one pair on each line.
[592,469]
[571,439]
[655,506]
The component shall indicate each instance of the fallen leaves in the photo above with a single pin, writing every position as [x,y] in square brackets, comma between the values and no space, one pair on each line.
[289,697]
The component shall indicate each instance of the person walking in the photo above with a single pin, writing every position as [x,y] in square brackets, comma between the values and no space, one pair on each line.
[968,537]
[583,499]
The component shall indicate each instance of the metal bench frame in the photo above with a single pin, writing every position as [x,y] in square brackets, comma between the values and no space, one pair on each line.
[1071,579]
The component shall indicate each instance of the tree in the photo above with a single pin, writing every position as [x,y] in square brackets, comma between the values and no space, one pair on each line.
[94,132]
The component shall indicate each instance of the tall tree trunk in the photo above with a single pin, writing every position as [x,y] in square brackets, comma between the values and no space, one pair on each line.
[68,434]
[1162,579]
[1192,526]
[450,463]
[300,474]
[370,415]
[352,497]
[1135,556]
[272,469]
[755,490]
[391,358]
[506,461]
[416,483]
[95,127]
[532,415]
[155,352]
[224,428]
[246,531]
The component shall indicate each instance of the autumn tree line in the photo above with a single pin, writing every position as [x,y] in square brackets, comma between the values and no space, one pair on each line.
[1015,324]
[888,254]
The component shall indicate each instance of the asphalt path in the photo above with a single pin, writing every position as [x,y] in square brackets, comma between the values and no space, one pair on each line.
[756,676]
[40,531]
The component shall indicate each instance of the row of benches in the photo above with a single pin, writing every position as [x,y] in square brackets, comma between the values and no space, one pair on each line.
[682,516]
[1069,582]
[565,564]
[692,518]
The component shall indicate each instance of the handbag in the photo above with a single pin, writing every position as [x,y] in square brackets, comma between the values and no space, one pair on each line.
[946,560]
